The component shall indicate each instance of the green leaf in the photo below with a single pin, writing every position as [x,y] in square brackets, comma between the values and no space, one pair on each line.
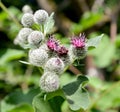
[11,54]
[49,24]
[50,95]
[88,20]
[22,108]
[77,97]
[65,107]
[96,82]
[18,98]
[6,22]
[110,99]
[56,103]
[66,78]
[40,105]
[94,42]
[106,57]
[104,53]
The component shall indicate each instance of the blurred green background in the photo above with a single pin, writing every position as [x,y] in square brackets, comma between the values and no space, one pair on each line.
[19,83]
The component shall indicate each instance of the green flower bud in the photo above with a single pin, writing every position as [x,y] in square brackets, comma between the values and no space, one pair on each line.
[35,38]
[27,20]
[55,65]
[40,16]
[78,46]
[38,57]
[49,82]
[27,9]
[79,53]
[23,35]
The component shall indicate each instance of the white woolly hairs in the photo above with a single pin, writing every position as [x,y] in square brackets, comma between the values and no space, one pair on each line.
[27,20]
[35,38]
[40,16]
[38,57]
[70,53]
[23,35]
[55,64]
[44,47]
[79,53]
[49,82]
[27,9]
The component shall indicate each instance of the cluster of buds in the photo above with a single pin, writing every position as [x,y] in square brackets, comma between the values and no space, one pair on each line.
[46,51]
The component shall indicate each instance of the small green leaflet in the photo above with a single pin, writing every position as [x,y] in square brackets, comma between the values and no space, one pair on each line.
[24,62]
[49,24]
[94,42]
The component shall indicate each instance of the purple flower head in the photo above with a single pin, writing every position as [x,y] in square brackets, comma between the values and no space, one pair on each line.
[52,44]
[78,42]
[62,51]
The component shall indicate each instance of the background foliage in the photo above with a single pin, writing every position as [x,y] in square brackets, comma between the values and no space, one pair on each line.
[19,82]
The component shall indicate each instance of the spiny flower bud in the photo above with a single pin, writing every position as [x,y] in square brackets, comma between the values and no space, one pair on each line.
[49,82]
[23,35]
[63,54]
[55,64]
[52,44]
[38,57]
[27,20]
[40,16]
[66,59]
[62,51]
[79,53]
[79,48]
[27,9]
[50,53]
[78,42]
[35,38]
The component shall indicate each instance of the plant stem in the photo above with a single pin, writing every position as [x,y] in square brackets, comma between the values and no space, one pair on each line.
[42,28]
[74,70]
[113,27]
[11,16]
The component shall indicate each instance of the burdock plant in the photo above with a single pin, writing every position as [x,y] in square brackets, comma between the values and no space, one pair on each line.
[47,53]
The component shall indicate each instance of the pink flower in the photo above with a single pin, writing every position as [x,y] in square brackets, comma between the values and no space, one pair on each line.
[62,51]
[52,44]
[55,46]
[78,42]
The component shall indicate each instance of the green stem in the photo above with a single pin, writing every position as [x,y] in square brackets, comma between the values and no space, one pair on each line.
[103,94]
[42,28]
[35,27]
[40,70]
[11,16]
